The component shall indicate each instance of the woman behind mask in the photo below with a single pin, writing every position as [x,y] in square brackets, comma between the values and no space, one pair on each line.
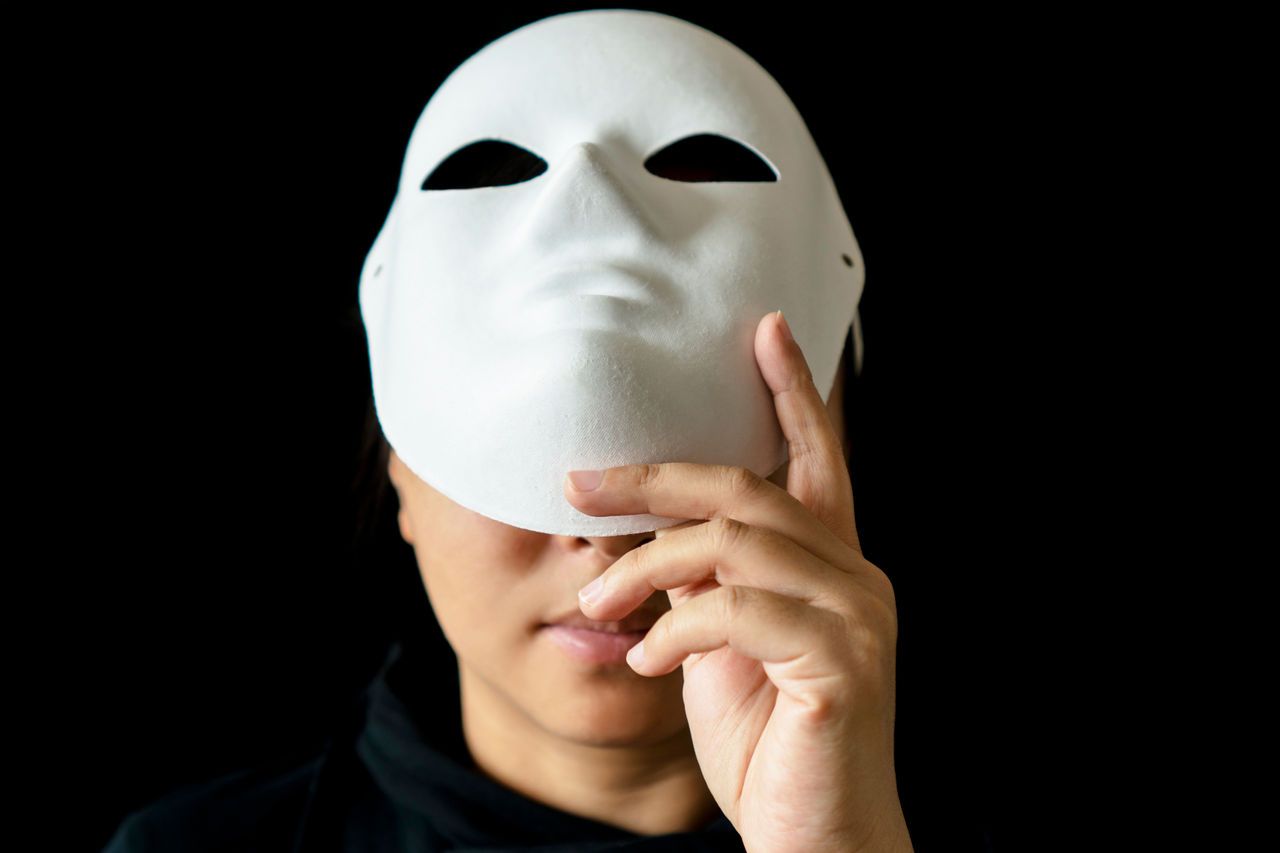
[623,472]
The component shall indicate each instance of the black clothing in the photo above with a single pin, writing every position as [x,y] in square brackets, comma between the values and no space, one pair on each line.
[398,778]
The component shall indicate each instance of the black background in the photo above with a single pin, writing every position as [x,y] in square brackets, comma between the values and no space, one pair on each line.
[227,178]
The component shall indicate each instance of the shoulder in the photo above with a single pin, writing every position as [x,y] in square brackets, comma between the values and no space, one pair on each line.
[255,810]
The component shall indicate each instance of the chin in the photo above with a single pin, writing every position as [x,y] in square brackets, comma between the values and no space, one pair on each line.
[620,710]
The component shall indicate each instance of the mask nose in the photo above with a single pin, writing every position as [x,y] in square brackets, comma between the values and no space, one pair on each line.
[586,200]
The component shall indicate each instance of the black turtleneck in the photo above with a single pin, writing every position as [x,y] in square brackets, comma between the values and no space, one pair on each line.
[397,778]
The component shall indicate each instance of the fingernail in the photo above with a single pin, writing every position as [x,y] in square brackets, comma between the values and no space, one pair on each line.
[635,657]
[591,592]
[586,481]
[784,328]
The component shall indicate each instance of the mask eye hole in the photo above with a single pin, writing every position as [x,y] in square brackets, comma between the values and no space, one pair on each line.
[708,157]
[487,163]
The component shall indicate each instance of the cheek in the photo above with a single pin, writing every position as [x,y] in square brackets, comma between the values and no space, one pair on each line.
[460,607]
[477,573]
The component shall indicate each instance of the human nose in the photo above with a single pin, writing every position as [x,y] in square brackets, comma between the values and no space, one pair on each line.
[587,199]
[608,547]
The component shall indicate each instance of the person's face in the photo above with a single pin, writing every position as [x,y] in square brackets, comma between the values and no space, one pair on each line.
[501,594]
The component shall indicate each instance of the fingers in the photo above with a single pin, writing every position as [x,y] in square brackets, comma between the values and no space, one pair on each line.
[755,623]
[816,510]
[687,490]
[817,476]
[725,552]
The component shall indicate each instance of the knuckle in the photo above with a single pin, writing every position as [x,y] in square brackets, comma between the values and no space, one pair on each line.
[801,445]
[877,580]
[845,594]
[824,706]
[637,566]
[821,445]
[741,483]
[871,646]
[647,475]
[881,607]
[733,600]
[726,534]
[889,626]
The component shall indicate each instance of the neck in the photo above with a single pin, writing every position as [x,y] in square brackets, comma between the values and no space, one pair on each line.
[651,787]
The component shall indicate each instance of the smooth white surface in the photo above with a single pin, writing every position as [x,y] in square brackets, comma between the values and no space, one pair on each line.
[599,315]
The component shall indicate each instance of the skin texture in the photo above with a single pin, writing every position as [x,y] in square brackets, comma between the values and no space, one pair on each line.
[766,681]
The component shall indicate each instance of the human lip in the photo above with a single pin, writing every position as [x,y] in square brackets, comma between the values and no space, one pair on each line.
[598,642]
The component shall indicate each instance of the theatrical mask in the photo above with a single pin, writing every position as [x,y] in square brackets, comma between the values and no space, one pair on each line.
[595,212]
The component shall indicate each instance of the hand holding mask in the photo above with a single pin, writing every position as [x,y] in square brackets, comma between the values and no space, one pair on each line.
[786,633]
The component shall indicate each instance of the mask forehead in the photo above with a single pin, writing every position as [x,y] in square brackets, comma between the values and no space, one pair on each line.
[574,78]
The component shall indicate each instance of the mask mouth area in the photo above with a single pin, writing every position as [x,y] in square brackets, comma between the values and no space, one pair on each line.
[485,163]
[710,158]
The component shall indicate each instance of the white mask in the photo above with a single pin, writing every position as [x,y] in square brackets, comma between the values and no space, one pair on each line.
[598,314]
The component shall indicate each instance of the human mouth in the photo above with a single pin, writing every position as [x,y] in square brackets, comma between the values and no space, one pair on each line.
[598,642]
